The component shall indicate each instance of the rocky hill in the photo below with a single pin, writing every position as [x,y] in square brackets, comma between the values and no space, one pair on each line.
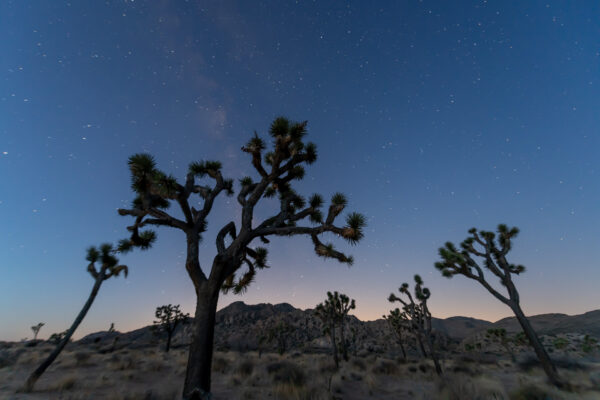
[244,327]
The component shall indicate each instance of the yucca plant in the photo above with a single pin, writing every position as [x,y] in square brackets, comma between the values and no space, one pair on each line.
[36,330]
[109,267]
[169,317]
[332,312]
[399,325]
[499,335]
[417,317]
[237,261]
[492,250]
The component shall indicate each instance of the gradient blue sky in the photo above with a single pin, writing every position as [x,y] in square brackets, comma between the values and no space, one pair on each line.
[433,116]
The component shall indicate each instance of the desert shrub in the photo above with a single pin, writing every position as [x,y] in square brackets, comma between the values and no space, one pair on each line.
[531,392]
[560,343]
[385,367]
[423,368]
[82,357]
[412,368]
[529,362]
[487,359]
[245,368]
[462,387]
[9,358]
[327,366]
[589,344]
[66,383]
[359,363]
[220,364]
[286,373]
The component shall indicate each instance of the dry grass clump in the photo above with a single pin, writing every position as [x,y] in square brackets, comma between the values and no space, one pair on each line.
[82,358]
[285,391]
[359,364]
[65,383]
[461,386]
[245,368]
[220,364]
[385,367]
[286,373]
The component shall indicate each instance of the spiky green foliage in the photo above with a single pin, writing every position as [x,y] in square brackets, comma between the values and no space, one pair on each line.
[56,338]
[168,318]
[485,251]
[109,266]
[108,262]
[277,166]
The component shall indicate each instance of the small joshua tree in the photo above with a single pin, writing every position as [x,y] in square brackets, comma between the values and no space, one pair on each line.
[109,267]
[56,338]
[493,250]
[169,317]
[399,325]
[278,333]
[332,313]
[418,317]
[277,170]
[343,307]
[36,330]
[111,329]
[499,335]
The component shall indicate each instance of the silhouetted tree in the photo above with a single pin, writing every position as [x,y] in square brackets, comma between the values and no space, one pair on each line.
[279,334]
[343,306]
[493,251]
[418,317]
[111,329]
[109,267]
[276,169]
[332,313]
[499,335]
[169,317]
[56,338]
[399,326]
[36,329]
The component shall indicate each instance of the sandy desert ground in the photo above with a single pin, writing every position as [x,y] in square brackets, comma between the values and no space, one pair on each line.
[151,374]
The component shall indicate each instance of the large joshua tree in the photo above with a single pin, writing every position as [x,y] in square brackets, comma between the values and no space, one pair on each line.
[492,251]
[418,317]
[109,267]
[236,261]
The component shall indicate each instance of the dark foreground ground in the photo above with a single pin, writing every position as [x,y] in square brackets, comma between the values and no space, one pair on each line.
[81,373]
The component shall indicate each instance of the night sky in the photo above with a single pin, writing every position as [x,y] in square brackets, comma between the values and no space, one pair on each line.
[432,116]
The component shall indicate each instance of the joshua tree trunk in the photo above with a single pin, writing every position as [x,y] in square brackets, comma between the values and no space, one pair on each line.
[402,348]
[433,355]
[35,375]
[335,349]
[343,340]
[169,334]
[538,347]
[197,379]
[423,352]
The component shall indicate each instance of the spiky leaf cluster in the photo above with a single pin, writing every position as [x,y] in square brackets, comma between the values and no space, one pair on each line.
[491,249]
[414,315]
[109,263]
[168,317]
